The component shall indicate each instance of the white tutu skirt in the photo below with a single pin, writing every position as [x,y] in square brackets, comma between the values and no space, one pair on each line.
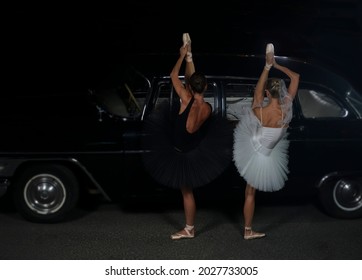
[264,173]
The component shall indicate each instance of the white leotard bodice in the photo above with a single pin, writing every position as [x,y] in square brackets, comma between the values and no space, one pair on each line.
[265,138]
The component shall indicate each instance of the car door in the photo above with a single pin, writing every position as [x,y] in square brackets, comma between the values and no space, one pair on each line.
[332,130]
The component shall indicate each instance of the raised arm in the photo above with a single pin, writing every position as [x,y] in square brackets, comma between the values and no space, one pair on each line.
[259,89]
[190,66]
[260,85]
[294,79]
[176,82]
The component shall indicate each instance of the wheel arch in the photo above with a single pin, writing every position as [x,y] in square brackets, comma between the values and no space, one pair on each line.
[340,193]
[87,182]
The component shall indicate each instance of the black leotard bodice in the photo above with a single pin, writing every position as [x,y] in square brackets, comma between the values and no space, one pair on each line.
[182,139]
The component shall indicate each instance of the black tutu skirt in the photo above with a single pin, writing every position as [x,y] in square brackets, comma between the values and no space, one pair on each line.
[195,168]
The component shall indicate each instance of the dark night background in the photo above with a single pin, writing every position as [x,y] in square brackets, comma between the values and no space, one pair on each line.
[56,48]
[68,48]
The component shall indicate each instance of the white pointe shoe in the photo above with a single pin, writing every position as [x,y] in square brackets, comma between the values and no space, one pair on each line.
[269,55]
[269,48]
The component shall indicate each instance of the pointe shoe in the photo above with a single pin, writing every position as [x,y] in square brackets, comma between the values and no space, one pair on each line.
[180,235]
[269,56]
[250,234]
[186,39]
[269,48]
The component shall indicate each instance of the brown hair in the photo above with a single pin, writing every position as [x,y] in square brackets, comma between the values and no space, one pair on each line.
[198,82]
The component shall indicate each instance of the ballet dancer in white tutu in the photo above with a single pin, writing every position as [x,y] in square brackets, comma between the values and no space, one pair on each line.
[260,150]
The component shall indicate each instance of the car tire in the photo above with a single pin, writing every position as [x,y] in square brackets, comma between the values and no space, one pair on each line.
[341,196]
[45,193]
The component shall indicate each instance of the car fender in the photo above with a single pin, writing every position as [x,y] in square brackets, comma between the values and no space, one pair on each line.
[9,167]
[338,174]
[340,194]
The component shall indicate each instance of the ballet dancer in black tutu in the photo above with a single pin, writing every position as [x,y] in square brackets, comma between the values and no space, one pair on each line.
[190,144]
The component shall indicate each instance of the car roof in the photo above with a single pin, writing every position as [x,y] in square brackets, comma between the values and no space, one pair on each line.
[156,65]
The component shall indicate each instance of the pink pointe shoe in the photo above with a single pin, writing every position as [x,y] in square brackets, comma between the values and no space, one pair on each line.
[250,234]
[187,42]
[186,39]
[180,235]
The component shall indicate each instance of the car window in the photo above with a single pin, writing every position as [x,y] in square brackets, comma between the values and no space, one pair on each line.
[210,94]
[354,99]
[317,104]
[127,99]
[237,95]
[120,101]
[164,92]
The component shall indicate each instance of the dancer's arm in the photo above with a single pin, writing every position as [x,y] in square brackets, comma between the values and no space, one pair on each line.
[260,86]
[259,89]
[294,79]
[190,66]
[177,83]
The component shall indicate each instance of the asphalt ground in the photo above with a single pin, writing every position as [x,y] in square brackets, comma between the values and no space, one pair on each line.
[295,231]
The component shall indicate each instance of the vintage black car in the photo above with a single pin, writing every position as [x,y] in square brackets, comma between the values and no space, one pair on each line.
[54,148]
